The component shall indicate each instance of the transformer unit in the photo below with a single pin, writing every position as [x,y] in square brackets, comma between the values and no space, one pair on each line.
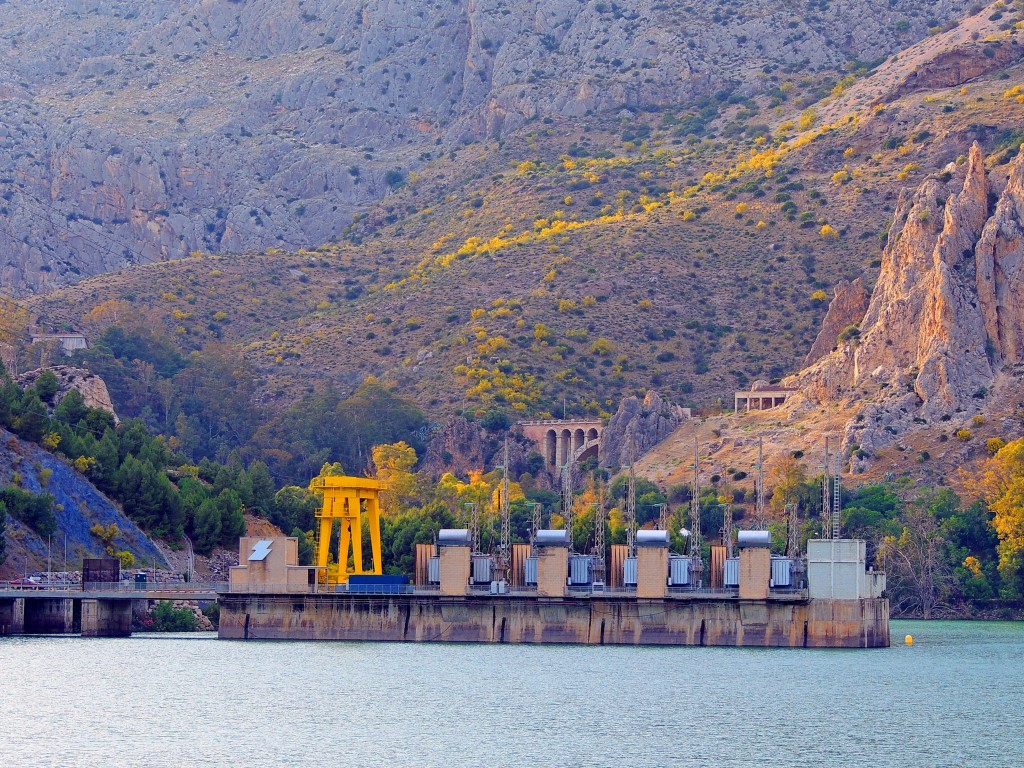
[732,572]
[483,566]
[629,572]
[678,571]
[580,570]
[530,571]
[782,572]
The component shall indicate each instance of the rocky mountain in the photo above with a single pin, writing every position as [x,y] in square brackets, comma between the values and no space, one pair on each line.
[917,379]
[944,321]
[576,261]
[92,388]
[637,426]
[138,131]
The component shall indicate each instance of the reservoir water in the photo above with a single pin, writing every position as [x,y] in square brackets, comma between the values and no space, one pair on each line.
[954,698]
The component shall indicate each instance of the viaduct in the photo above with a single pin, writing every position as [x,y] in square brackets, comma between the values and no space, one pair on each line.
[564,441]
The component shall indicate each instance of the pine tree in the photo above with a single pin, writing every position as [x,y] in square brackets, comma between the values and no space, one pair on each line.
[207,527]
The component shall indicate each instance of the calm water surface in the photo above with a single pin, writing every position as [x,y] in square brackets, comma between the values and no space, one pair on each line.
[956,698]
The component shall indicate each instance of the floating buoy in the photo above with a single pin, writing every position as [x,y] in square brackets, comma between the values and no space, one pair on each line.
[909,640]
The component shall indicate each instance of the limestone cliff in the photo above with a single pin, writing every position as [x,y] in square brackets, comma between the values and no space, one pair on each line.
[134,131]
[847,308]
[640,423]
[92,388]
[458,446]
[943,321]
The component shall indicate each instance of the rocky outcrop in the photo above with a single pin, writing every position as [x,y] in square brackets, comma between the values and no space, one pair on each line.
[944,319]
[134,131]
[846,309]
[92,388]
[640,424]
[458,446]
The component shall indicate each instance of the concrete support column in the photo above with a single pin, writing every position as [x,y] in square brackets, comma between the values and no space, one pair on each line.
[12,616]
[552,571]
[455,569]
[106,618]
[651,572]
[755,573]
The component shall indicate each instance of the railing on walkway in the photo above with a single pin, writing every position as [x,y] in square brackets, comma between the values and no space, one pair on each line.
[166,587]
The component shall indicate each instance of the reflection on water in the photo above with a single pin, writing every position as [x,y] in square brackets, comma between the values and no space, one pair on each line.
[952,699]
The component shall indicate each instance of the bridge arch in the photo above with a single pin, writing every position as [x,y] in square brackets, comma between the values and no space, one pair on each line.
[561,441]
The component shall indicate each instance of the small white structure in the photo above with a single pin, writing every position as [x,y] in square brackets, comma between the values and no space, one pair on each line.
[69,342]
[837,570]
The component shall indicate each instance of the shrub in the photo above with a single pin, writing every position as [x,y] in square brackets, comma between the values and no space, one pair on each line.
[963,435]
[167,618]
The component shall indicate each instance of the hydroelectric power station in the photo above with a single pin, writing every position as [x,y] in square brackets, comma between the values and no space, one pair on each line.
[544,592]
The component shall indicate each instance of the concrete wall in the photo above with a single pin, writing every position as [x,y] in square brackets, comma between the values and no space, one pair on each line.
[273,570]
[49,615]
[755,572]
[651,572]
[604,620]
[552,571]
[12,616]
[838,569]
[455,567]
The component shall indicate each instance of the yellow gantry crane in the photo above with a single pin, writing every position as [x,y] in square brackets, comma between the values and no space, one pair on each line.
[347,499]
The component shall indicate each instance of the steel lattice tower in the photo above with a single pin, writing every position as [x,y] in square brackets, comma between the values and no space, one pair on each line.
[505,542]
[567,499]
[536,521]
[631,507]
[599,521]
[837,497]
[696,560]
[760,521]
[826,497]
[474,525]
[727,530]
[792,530]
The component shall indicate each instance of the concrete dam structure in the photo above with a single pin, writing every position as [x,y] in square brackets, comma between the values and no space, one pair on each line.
[270,596]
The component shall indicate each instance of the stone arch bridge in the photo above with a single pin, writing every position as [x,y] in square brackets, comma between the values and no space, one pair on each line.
[563,441]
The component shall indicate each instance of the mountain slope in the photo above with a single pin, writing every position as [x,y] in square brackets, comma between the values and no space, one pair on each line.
[134,132]
[78,507]
[590,259]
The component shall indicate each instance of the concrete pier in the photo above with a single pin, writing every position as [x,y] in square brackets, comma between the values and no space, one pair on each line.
[106,618]
[12,616]
[787,621]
